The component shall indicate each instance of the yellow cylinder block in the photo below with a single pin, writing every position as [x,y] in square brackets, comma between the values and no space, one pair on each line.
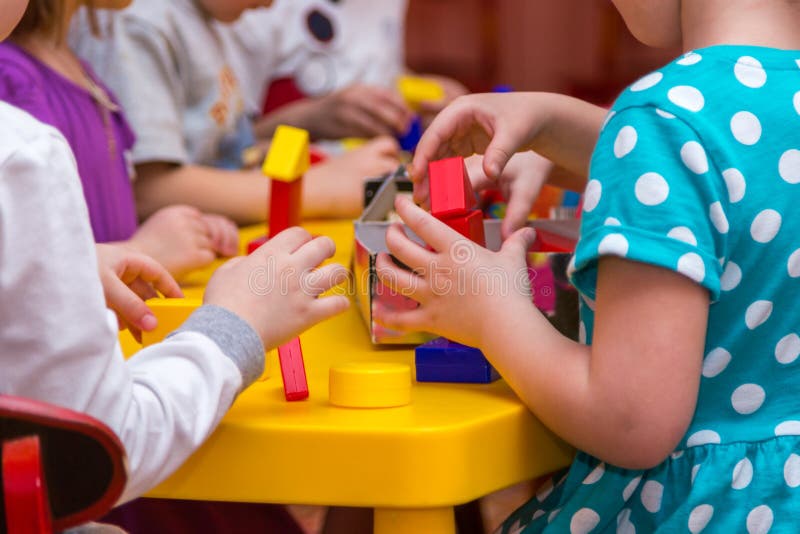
[370,385]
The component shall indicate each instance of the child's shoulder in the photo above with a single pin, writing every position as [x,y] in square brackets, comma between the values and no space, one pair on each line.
[21,134]
[19,72]
[672,89]
[707,85]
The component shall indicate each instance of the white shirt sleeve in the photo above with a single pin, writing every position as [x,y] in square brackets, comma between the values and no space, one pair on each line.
[58,341]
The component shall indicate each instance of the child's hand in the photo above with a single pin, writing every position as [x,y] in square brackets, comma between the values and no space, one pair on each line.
[182,238]
[462,288]
[129,278]
[224,234]
[276,288]
[520,184]
[335,188]
[496,125]
[361,111]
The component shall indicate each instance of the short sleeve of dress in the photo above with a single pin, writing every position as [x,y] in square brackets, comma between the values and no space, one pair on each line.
[654,196]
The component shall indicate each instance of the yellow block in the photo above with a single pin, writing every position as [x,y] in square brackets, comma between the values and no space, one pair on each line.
[370,385]
[288,158]
[417,91]
[352,143]
[171,313]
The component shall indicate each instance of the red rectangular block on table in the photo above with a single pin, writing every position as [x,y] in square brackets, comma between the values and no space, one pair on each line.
[285,205]
[293,371]
[450,189]
[469,224]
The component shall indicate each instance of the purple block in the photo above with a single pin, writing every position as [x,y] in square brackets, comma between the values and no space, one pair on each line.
[442,360]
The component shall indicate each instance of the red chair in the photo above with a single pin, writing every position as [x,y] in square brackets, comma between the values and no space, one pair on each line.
[60,468]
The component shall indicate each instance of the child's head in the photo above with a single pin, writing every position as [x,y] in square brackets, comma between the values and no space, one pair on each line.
[11,12]
[50,16]
[653,22]
[230,10]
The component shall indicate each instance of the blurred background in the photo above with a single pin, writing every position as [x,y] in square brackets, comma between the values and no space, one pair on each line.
[578,47]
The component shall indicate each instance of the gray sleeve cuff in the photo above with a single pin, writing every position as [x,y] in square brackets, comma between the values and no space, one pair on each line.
[237,340]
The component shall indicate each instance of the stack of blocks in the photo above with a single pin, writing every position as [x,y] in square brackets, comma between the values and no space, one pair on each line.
[288,160]
[453,202]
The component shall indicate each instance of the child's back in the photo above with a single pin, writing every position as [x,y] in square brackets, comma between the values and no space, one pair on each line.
[696,171]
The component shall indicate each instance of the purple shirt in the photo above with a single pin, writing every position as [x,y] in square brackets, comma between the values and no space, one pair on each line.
[100,149]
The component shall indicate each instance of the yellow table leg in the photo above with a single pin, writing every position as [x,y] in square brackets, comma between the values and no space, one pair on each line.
[415,521]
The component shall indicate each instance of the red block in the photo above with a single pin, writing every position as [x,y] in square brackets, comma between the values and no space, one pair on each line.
[255,244]
[285,205]
[450,189]
[552,242]
[293,371]
[469,224]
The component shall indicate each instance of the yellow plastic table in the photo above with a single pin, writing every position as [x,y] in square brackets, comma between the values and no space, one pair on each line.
[452,444]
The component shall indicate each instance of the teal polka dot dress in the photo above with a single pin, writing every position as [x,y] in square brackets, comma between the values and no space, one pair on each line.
[697,170]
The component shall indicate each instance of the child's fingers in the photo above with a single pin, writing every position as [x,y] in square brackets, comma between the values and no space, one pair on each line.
[432,231]
[519,243]
[152,272]
[327,307]
[403,320]
[406,250]
[400,280]
[226,235]
[129,306]
[364,123]
[143,289]
[287,241]
[315,252]
[502,147]
[520,202]
[390,109]
[321,280]
[385,146]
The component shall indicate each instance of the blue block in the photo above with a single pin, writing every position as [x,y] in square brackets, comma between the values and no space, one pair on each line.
[502,88]
[442,360]
[409,140]
[571,199]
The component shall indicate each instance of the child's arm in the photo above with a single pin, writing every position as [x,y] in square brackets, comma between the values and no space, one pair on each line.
[560,128]
[356,111]
[60,342]
[334,188]
[627,399]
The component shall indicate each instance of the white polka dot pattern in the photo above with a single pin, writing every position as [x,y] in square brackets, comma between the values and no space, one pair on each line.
[700,517]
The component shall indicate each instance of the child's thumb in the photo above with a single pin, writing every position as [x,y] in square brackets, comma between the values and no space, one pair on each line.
[520,242]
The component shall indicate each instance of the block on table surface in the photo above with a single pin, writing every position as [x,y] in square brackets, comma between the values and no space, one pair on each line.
[289,154]
[370,385]
[442,360]
[171,314]
[450,189]
[293,370]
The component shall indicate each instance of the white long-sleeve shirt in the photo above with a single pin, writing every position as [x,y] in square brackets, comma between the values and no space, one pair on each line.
[58,342]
